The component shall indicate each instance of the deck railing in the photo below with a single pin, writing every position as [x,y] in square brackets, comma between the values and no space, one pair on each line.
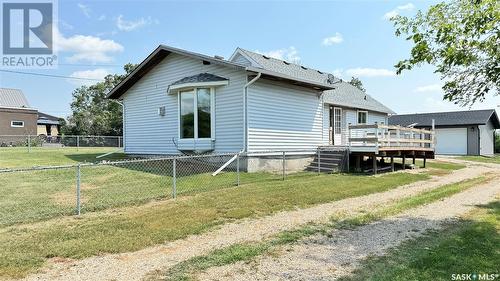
[379,136]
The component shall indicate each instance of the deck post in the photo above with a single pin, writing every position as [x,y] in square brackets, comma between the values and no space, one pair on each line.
[392,163]
[425,158]
[358,163]
[413,157]
[374,164]
[404,161]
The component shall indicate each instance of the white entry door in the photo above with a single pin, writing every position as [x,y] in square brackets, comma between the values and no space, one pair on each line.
[337,126]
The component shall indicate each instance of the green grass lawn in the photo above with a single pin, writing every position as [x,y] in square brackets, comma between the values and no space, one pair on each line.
[470,246]
[24,248]
[19,157]
[34,205]
[495,159]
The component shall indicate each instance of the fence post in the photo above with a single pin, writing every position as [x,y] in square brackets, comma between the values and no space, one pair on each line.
[174,178]
[29,143]
[238,169]
[284,167]
[77,142]
[78,179]
[119,142]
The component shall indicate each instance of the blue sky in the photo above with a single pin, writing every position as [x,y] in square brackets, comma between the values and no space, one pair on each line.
[347,38]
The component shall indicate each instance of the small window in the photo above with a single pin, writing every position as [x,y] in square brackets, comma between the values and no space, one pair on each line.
[362,116]
[17,124]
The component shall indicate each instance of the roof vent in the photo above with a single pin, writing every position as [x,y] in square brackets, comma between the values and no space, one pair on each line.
[319,72]
[285,62]
[219,57]
[365,97]
[266,57]
[303,67]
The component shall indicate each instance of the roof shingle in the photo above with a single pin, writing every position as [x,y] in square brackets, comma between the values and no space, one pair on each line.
[454,118]
[202,77]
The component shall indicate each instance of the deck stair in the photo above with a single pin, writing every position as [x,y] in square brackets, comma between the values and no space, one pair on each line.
[329,159]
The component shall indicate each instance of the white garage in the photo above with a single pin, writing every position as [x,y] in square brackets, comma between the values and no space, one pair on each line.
[451,141]
[470,132]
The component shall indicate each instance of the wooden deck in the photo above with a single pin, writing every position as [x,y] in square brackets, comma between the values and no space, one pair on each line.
[382,141]
[385,140]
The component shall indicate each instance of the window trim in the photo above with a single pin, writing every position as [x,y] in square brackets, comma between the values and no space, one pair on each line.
[366,118]
[195,107]
[16,126]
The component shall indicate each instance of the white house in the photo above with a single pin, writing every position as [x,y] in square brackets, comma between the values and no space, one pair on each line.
[178,101]
[469,132]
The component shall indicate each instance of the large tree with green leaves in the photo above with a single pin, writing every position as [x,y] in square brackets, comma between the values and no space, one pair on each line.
[92,113]
[461,38]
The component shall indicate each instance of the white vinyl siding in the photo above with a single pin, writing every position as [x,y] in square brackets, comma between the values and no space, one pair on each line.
[486,146]
[146,132]
[283,117]
[238,58]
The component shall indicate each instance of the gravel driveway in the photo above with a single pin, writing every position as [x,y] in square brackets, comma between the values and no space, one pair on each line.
[135,265]
[329,257]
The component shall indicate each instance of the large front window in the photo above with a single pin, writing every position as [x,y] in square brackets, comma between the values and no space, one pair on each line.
[196,113]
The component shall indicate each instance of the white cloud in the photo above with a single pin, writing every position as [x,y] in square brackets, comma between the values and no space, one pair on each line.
[397,10]
[85,9]
[339,73]
[370,72]
[86,48]
[97,74]
[130,25]
[65,25]
[289,54]
[428,88]
[328,41]
[101,17]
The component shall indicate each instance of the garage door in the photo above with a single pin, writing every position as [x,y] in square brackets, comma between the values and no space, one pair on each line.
[451,141]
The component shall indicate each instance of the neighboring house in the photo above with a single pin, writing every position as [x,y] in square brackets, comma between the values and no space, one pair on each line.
[47,125]
[178,101]
[459,133]
[16,115]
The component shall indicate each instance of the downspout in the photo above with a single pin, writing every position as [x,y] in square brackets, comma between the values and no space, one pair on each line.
[245,110]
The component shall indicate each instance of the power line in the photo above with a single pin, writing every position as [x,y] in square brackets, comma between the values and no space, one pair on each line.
[86,65]
[50,75]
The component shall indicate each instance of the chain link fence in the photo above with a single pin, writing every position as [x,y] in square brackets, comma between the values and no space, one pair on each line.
[33,141]
[41,193]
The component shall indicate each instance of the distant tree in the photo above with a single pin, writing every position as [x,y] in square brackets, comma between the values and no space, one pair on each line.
[92,113]
[357,83]
[461,38]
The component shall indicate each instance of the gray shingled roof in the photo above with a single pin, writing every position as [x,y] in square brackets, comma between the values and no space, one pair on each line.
[454,118]
[288,68]
[13,98]
[44,118]
[202,77]
[344,95]
[348,95]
